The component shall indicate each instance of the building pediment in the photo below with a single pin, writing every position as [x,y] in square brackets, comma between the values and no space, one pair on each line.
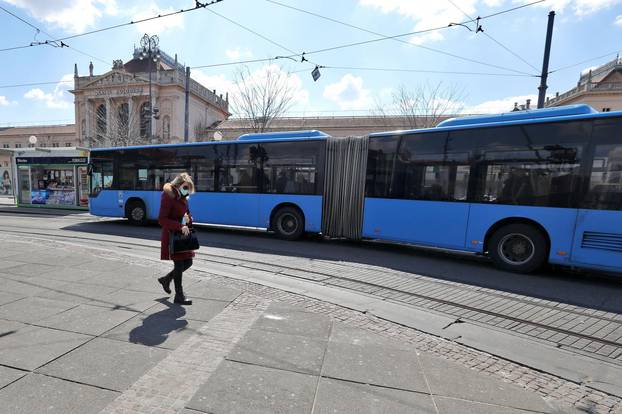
[612,76]
[114,78]
[116,83]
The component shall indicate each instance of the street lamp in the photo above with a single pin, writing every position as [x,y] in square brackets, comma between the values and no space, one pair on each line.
[151,52]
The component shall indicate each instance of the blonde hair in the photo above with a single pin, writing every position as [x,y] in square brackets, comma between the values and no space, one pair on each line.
[183,178]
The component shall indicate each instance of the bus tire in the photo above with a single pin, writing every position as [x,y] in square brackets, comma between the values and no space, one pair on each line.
[518,248]
[136,212]
[288,223]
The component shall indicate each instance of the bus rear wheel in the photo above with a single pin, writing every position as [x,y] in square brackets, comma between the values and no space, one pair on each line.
[136,212]
[518,248]
[288,223]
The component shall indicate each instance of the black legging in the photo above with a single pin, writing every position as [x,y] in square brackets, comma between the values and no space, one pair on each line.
[180,267]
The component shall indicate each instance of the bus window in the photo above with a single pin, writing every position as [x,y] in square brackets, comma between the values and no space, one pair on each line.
[380,159]
[135,176]
[292,167]
[204,168]
[101,176]
[461,185]
[236,168]
[427,168]
[605,181]
[534,165]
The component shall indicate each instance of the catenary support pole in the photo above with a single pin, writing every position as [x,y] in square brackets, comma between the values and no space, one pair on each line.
[545,63]
[187,109]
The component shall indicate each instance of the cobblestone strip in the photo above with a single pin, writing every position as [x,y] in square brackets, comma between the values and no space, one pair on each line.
[167,387]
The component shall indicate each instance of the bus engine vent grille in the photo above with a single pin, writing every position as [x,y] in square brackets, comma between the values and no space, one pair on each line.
[602,241]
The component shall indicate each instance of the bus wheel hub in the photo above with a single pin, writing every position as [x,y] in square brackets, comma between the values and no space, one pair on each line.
[516,249]
[288,224]
[137,214]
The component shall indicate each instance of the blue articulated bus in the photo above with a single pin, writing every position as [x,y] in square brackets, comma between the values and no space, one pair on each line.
[261,180]
[524,188]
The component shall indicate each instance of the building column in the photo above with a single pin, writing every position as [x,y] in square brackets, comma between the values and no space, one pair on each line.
[88,116]
[109,130]
[131,119]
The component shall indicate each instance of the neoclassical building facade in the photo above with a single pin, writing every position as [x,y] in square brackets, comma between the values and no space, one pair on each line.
[112,109]
[599,87]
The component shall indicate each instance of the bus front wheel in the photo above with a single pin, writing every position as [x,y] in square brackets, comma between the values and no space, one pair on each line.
[288,223]
[136,212]
[518,248]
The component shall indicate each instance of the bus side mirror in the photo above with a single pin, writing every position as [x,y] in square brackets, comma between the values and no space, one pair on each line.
[89,169]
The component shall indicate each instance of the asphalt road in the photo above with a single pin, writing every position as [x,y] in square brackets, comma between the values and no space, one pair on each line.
[584,289]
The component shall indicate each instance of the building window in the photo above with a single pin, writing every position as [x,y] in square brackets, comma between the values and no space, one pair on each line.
[31,145]
[101,120]
[145,120]
[18,145]
[68,144]
[5,145]
[166,128]
[55,144]
[606,109]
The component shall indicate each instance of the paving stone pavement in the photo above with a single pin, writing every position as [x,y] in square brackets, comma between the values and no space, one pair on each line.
[243,348]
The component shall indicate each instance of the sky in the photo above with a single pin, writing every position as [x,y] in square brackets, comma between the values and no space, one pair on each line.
[497,67]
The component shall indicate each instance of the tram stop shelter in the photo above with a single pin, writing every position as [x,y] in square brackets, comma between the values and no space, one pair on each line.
[51,177]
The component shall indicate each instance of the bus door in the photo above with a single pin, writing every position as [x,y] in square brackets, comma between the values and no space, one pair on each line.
[437,213]
[418,195]
[598,233]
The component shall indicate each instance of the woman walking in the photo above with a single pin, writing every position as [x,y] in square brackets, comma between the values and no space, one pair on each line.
[175,216]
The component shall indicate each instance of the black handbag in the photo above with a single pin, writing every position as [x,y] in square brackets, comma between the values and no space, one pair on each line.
[178,243]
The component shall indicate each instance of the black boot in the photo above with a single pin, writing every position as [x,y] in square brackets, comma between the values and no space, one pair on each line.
[181,299]
[165,281]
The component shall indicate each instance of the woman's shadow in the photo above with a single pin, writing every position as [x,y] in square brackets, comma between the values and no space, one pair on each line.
[157,326]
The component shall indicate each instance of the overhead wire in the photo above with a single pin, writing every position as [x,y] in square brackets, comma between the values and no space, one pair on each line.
[293,54]
[254,32]
[511,10]
[251,31]
[396,38]
[423,71]
[584,61]
[239,62]
[39,30]
[17,85]
[337,48]
[198,5]
[329,67]
[489,36]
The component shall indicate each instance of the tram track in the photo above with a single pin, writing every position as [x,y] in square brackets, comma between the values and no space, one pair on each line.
[467,303]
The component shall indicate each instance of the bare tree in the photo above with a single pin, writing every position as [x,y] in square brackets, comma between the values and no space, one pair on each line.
[121,128]
[425,105]
[262,97]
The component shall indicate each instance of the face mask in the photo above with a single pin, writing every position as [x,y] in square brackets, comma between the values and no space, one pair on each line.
[184,192]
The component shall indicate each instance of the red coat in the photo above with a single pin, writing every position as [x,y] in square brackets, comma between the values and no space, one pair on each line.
[172,210]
